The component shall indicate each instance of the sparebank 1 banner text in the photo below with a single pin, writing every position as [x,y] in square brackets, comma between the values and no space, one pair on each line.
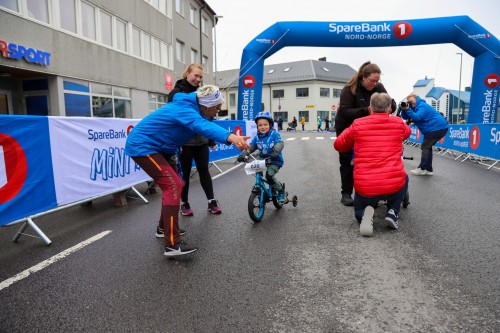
[26,181]
[89,158]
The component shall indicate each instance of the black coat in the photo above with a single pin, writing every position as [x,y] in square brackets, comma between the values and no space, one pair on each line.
[355,106]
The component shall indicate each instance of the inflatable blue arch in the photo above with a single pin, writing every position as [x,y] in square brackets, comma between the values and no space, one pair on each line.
[459,30]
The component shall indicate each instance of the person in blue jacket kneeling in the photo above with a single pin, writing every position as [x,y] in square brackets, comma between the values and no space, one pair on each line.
[432,125]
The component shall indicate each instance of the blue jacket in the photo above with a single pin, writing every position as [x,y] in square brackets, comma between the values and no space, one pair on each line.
[425,117]
[265,144]
[171,126]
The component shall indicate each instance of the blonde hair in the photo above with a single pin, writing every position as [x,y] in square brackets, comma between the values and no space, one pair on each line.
[412,95]
[190,68]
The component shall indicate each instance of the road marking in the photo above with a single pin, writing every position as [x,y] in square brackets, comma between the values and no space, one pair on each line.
[320,138]
[290,139]
[305,138]
[46,263]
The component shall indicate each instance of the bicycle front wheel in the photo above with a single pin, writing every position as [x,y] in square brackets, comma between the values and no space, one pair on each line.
[256,207]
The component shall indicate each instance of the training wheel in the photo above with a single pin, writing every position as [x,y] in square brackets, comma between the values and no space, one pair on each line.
[294,201]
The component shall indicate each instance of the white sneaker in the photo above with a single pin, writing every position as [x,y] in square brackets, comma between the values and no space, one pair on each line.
[366,227]
[418,172]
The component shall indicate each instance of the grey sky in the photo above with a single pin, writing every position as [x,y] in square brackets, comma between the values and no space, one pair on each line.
[401,66]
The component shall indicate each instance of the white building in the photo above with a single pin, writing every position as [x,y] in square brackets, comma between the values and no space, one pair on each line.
[99,58]
[307,88]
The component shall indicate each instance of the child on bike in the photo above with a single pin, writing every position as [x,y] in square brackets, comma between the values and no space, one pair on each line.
[269,143]
[379,172]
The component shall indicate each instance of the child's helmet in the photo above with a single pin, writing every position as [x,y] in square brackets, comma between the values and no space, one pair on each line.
[265,115]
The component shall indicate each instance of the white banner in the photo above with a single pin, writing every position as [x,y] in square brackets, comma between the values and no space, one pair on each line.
[88,157]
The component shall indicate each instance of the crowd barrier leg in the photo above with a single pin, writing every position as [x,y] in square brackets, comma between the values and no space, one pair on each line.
[29,222]
[138,194]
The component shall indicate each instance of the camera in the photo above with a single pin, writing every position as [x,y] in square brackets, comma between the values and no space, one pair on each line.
[404,104]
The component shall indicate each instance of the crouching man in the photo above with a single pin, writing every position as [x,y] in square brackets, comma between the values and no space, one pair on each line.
[379,172]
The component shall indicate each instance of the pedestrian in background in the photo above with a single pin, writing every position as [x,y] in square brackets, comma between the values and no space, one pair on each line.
[303,123]
[319,124]
[354,102]
[196,149]
[431,124]
[153,144]
[327,124]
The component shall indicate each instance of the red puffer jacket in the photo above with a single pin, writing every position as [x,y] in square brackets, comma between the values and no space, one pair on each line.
[378,147]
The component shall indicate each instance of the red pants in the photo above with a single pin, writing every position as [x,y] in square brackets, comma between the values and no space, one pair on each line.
[166,177]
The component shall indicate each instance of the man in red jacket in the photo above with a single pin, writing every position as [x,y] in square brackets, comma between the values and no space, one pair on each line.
[379,172]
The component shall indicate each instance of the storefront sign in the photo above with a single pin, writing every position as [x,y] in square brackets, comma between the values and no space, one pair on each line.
[16,51]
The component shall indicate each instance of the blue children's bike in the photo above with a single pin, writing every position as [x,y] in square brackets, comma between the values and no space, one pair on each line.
[262,192]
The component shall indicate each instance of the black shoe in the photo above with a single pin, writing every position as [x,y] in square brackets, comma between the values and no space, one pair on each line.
[178,249]
[161,234]
[347,199]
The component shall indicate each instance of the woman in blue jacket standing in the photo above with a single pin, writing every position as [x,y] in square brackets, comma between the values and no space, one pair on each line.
[432,125]
[154,142]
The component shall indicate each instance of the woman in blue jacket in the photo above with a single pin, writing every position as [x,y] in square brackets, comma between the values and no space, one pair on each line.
[154,142]
[431,124]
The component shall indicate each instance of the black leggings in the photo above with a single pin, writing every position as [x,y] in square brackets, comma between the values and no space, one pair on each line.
[200,156]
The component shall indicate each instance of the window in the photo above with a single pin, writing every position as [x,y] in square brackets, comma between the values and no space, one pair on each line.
[304,114]
[179,7]
[204,63]
[136,42]
[324,92]
[156,50]
[232,100]
[336,92]
[67,9]
[121,35]
[108,101]
[279,93]
[165,55]
[193,16]
[194,56]
[9,4]
[283,115]
[88,21]
[204,25]
[156,101]
[147,46]
[38,10]
[322,115]
[302,92]
[106,29]
[179,51]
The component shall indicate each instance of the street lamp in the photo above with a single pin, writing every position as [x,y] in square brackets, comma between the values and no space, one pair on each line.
[216,19]
[459,86]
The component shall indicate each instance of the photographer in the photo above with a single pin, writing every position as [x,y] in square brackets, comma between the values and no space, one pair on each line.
[432,125]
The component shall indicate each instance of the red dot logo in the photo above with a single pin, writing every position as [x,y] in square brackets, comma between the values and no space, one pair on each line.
[491,81]
[238,131]
[129,128]
[248,81]
[474,137]
[14,170]
[402,30]
[442,140]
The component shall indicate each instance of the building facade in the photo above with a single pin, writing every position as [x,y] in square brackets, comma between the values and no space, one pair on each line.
[308,88]
[99,58]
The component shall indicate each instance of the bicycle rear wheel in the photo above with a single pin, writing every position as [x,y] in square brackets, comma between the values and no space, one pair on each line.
[256,207]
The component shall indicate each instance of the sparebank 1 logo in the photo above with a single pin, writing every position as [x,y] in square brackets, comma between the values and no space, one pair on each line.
[402,30]
[492,80]
[13,168]
[238,131]
[249,81]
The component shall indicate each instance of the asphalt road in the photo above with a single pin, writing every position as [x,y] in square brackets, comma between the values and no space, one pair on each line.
[302,269]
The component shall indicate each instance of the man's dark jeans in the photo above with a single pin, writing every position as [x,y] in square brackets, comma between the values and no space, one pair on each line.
[394,201]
